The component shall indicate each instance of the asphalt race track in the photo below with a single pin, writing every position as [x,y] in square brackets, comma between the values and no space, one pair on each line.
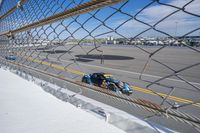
[126,63]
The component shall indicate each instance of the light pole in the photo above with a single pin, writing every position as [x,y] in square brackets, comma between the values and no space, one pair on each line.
[176,28]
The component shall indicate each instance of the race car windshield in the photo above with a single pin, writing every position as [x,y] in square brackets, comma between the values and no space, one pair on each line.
[110,78]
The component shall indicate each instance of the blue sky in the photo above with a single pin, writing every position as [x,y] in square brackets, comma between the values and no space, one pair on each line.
[177,24]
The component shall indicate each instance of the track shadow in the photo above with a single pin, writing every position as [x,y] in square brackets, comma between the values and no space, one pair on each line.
[82,60]
[105,57]
[44,48]
[56,51]
[40,49]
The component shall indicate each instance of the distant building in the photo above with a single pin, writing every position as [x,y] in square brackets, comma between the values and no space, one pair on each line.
[110,40]
[168,41]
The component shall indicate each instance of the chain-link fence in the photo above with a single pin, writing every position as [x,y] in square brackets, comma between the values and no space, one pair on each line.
[153,45]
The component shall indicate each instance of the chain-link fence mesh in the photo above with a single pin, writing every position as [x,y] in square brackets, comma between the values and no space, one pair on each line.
[153,45]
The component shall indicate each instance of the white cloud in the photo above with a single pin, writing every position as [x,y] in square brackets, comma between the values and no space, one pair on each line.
[155,13]
[183,21]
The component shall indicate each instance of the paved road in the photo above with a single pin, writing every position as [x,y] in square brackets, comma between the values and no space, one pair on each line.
[119,104]
[132,59]
[126,63]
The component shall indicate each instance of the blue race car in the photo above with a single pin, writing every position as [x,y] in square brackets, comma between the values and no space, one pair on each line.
[11,57]
[107,81]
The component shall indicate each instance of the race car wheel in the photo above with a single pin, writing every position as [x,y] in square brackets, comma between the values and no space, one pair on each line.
[111,87]
[84,80]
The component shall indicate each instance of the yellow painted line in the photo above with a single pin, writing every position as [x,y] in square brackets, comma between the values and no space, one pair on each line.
[54,66]
[58,67]
[76,72]
[46,63]
[177,99]
[37,61]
